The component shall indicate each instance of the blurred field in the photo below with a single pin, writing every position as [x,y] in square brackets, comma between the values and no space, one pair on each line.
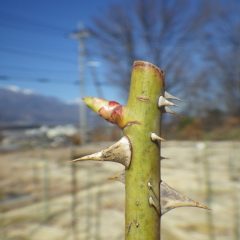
[37,199]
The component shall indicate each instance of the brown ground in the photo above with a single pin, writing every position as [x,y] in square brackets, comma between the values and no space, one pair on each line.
[36,201]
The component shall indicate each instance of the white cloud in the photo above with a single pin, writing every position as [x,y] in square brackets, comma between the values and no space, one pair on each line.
[15,88]
[12,88]
[27,91]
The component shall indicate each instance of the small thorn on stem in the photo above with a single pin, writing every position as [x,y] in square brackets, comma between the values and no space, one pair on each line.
[170,96]
[162,101]
[155,137]
[153,204]
[169,110]
[150,185]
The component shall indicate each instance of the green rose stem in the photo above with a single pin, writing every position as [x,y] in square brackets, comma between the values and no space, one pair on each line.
[147,197]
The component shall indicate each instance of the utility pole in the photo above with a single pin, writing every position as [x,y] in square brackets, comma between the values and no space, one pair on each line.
[81,34]
[94,65]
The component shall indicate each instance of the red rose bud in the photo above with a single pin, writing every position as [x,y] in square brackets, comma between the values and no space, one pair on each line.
[109,110]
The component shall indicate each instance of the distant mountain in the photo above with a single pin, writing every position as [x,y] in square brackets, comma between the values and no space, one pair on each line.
[22,107]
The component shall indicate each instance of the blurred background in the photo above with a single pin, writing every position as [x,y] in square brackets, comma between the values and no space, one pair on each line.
[53,53]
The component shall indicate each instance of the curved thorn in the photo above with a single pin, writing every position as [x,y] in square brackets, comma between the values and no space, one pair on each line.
[154,204]
[150,200]
[155,137]
[170,96]
[119,152]
[162,101]
[169,110]
[170,199]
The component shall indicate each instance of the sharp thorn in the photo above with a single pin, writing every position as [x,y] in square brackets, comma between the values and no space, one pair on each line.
[154,204]
[155,137]
[150,200]
[95,157]
[150,185]
[170,199]
[170,96]
[162,101]
[119,152]
[169,110]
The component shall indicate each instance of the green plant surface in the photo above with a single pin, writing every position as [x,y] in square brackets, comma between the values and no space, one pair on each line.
[142,220]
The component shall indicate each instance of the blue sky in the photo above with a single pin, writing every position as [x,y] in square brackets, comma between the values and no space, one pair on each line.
[36,52]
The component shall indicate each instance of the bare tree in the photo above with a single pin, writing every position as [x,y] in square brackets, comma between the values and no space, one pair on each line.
[223,53]
[159,31]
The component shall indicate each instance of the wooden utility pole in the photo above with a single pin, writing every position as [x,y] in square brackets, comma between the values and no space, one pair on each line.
[81,34]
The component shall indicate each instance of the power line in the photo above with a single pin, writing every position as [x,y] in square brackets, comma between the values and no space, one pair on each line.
[25,41]
[36,54]
[37,31]
[32,22]
[6,78]
[38,81]
[20,68]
